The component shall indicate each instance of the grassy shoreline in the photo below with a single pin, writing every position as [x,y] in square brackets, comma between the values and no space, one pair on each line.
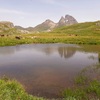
[48,38]
[13,90]
[85,86]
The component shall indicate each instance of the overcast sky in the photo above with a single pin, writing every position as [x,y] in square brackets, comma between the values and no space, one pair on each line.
[32,12]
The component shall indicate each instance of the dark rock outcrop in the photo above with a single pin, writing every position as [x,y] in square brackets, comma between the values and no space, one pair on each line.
[68,20]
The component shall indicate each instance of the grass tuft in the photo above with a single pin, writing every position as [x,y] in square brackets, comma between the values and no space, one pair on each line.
[12,90]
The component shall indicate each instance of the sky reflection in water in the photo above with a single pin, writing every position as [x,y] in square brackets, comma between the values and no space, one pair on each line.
[45,69]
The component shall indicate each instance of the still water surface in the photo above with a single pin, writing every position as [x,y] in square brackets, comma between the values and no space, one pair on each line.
[46,69]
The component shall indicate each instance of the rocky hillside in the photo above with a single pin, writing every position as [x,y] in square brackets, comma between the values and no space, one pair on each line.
[9,28]
[4,26]
[47,26]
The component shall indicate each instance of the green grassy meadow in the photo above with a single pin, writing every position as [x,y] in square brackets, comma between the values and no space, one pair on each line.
[82,33]
[48,38]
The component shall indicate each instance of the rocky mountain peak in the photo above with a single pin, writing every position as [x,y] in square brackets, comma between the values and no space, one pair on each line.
[48,21]
[70,20]
[62,21]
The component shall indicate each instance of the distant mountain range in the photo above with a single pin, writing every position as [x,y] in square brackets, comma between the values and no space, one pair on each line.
[71,27]
[46,26]
[49,25]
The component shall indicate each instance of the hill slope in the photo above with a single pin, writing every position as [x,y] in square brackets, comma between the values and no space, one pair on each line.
[7,27]
[82,29]
[48,25]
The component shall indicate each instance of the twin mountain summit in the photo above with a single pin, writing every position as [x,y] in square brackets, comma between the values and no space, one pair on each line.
[46,26]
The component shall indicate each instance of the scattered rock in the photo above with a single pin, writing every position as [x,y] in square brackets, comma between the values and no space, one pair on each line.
[18,37]
[2,35]
[98,23]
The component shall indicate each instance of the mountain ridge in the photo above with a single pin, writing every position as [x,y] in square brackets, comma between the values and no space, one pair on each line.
[48,25]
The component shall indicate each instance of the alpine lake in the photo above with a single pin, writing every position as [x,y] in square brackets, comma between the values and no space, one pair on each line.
[47,69]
